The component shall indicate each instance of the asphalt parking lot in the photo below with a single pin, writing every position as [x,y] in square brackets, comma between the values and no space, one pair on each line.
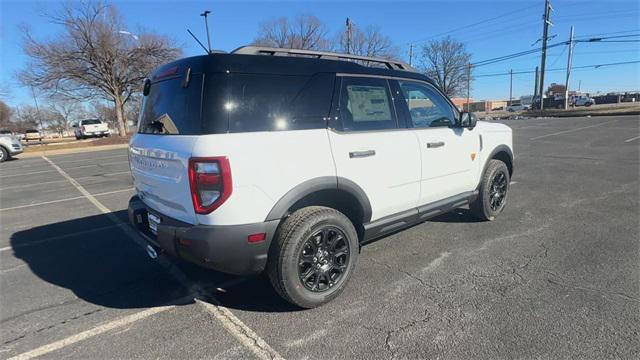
[557,275]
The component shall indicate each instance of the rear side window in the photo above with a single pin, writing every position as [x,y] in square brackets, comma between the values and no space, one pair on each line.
[172,109]
[366,104]
[278,102]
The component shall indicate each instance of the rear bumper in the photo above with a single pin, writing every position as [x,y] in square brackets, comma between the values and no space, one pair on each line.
[222,248]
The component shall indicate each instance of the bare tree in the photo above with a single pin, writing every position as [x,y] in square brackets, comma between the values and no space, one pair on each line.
[370,42]
[305,32]
[92,58]
[446,62]
[6,113]
[68,109]
[26,117]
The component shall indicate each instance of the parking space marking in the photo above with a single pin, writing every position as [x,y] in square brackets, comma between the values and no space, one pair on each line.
[571,130]
[57,345]
[60,237]
[64,180]
[93,159]
[28,173]
[240,331]
[69,168]
[632,139]
[64,200]
[230,322]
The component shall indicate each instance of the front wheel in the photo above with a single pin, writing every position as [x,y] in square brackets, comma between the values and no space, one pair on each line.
[313,256]
[493,191]
[4,154]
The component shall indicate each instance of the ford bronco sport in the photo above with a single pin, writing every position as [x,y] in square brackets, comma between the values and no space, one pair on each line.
[287,161]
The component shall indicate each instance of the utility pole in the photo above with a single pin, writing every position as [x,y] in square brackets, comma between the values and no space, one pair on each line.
[569,64]
[410,54]
[579,85]
[468,88]
[349,34]
[535,87]
[510,86]
[545,32]
[206,25]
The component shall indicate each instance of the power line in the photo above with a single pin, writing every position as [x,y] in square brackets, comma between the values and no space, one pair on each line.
[473,24]
[560,69]
[611,33]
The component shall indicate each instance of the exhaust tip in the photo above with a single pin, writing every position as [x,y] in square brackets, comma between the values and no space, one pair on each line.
[152,252]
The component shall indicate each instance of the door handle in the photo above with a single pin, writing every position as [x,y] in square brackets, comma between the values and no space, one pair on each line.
[433,145]
[361,154]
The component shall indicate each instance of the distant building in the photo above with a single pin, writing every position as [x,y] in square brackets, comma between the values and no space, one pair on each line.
[460,103]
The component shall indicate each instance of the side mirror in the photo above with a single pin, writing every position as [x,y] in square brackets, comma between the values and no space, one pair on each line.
[74,125]
[468,120]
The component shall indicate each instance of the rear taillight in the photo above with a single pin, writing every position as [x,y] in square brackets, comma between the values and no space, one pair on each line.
[210,182]
[84,128]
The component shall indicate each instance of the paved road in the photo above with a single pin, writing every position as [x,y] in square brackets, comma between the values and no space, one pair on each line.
[556,276]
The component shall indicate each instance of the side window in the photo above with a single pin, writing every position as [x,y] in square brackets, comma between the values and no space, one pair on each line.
[279,102]
[365,104]
[426,106]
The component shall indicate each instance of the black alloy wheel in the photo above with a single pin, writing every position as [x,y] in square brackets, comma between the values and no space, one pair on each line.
[498,191]
[323,259]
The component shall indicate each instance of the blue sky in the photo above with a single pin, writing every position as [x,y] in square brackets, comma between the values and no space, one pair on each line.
[236,23]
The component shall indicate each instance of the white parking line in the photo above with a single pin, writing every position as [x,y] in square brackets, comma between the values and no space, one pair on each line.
[571,130]
[57,345]
[229,321]
[64,200]
[70,168]
[64,180]
[630,140]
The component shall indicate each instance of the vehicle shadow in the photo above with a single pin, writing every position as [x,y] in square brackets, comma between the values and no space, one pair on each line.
[459,215]
[100,264]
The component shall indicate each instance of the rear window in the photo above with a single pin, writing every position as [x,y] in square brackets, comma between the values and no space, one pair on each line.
[221,103]
[172,109]
[278,102]
[31,131]
[91,122]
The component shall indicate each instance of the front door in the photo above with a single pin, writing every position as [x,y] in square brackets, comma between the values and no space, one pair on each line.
[449,153]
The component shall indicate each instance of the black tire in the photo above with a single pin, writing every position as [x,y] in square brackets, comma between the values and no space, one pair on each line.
[482,207]
[4,154]
[297,234]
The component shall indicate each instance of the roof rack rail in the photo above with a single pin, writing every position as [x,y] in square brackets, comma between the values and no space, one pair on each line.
[261,50]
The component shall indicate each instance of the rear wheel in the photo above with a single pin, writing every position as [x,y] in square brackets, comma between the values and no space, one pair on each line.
[313,256]
[493,191]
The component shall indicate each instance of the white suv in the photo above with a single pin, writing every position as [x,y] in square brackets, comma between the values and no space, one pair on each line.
[246,162]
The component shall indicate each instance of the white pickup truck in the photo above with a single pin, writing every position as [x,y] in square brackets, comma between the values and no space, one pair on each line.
[90,127]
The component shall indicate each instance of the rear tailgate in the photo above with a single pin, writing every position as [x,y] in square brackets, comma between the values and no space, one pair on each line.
[159,165]
[159,153]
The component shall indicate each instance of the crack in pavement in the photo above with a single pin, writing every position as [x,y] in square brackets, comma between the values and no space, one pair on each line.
[563,283]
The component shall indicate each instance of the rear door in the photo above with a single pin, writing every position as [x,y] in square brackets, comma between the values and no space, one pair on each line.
[159,153]
[371,149]
[449,153]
